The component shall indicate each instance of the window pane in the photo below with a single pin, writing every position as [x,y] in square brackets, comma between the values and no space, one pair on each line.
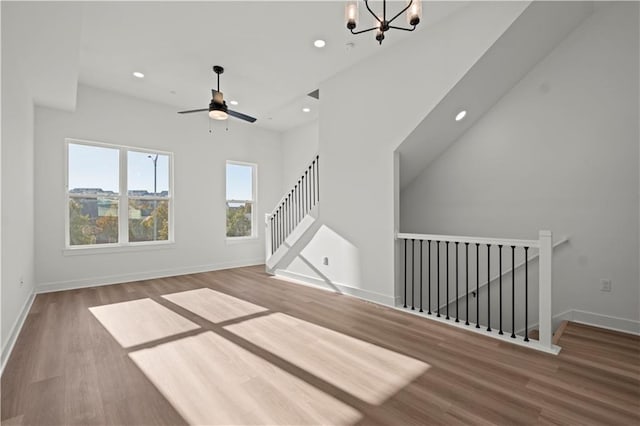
[93,169]
[148,220]
[93,221]
[239,182]
[148,174]
[239,219]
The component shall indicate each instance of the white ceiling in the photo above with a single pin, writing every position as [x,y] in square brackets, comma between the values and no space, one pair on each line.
[266,48]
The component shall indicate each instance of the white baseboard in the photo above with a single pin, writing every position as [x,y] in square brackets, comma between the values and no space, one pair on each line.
[139,276]
[335,287]
[7,347]
[605,321]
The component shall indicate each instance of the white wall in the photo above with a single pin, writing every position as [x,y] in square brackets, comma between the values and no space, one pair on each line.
[17,195]
[29,72]
[365,113]
[199,186]
[299,148]
[558,152]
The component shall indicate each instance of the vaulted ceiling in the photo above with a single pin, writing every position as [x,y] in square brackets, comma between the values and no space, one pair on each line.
[266,48]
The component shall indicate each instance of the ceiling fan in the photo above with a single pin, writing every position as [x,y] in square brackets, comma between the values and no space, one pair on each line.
[218,107]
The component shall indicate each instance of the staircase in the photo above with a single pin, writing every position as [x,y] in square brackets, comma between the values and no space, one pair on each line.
[293,214]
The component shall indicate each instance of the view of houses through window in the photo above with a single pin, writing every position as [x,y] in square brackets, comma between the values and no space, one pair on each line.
[240,201]
[96,175]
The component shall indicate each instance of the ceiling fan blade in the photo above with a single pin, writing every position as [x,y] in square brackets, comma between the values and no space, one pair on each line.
[241,116]
[193,110]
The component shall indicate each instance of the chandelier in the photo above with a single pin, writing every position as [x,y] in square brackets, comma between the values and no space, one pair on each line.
[381,23]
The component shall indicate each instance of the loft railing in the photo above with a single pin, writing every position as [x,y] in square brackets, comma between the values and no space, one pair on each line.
[293,207]
[439,266]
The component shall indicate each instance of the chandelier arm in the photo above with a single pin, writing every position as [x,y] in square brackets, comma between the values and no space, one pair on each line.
[403,29]
[366,3]
[401,12]
[364,31]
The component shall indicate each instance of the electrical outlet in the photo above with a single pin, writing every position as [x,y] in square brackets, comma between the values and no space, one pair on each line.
[605,285]
[325,261]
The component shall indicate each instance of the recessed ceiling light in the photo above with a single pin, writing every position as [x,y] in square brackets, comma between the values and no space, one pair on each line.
[319,43]
[233,102]
[305,109]
[461,115]
[138,74]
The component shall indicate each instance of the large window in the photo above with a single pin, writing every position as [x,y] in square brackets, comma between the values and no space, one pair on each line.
[241,200]
[117,195]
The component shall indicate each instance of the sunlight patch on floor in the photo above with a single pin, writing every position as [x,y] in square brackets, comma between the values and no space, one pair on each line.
[364,370]
[210,380]
[140,321]
[213,305]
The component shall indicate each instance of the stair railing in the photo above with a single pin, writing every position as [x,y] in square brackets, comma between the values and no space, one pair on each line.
[424,256]
[293,207]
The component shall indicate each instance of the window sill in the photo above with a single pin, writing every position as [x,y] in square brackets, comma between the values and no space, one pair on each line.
[241,240]
[109,249]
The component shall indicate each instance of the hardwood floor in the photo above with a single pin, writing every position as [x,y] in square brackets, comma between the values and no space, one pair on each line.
[239,347]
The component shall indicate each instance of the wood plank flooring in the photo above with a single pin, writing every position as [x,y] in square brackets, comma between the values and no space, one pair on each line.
[266,351]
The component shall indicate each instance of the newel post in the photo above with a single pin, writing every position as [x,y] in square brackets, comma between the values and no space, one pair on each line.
[545,289]
[267,237]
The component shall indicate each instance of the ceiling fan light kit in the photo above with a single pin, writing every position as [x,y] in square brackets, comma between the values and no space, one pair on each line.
[218,109]
[381,24]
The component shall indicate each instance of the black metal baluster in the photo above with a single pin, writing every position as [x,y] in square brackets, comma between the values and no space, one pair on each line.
[526,294]
[457,270]
[313,186]
[318,173]
[405,272]
[477,285]
[413,274]
[300,208]
[273,248]
[281,223]
[308,175]
[447,263]
[421,262]
[500,281]
[466,269]
[278,227]
[305,179]
[438,275]
[429,277]
[488,287]
[513,292]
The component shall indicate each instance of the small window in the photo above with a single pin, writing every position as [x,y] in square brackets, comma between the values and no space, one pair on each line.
[148,191]
[117,195]
[94,195]
[241,200]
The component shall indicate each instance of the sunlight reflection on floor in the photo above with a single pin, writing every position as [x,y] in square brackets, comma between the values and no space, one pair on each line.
[213,305]
[210,380]
[362,369]
[140,321]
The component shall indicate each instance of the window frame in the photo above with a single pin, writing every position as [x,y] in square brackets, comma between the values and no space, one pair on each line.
[123,201]
[254,202]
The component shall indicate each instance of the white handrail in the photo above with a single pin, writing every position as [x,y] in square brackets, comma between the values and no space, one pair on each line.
[470,240]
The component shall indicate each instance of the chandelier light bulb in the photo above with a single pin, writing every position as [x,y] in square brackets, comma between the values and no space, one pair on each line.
[351,14]
[414,13]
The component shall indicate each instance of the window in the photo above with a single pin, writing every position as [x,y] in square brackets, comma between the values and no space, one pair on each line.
[241,200]
[100,211]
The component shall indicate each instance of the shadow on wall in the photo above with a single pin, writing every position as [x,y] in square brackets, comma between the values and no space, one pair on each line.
[327,259]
